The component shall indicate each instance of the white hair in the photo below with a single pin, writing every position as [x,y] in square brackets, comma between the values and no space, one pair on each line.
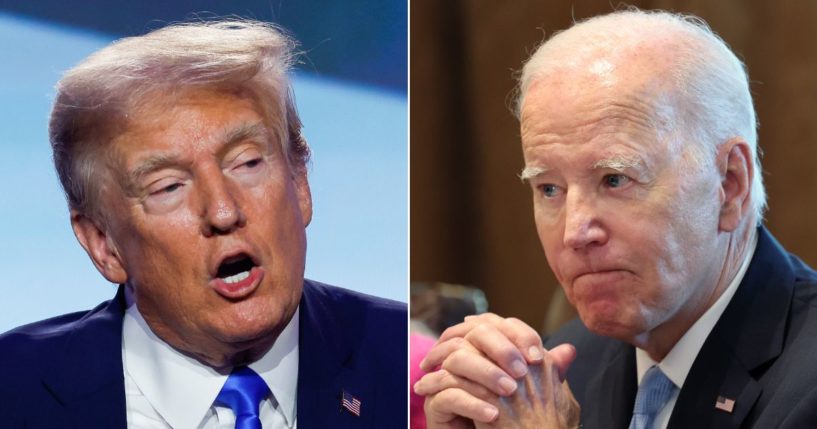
[710,82]
[95,98]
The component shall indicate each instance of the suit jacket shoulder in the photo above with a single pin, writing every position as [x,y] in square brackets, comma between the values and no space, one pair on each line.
[357,344]
[56,372]
[66,372]
[760,354]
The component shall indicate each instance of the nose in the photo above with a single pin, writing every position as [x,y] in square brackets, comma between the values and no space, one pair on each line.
[583,226]
[221,212]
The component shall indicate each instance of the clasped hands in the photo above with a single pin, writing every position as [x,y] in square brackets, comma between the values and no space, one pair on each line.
[495,373]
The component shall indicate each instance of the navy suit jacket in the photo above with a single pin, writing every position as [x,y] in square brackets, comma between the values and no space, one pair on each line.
[66,372]
[762,353]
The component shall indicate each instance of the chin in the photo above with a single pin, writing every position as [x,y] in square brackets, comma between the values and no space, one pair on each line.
[608,329]
[610,323]
[251,329]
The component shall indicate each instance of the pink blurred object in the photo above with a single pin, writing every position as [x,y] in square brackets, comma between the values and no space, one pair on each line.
[419,345]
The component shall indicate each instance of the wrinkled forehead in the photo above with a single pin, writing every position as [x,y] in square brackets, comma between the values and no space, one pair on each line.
[598,117]
[579,67]
[181,109]
[170,125]
[148,107]
[569,103]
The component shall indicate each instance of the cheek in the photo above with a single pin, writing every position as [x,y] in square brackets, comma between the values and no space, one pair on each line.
[678,250]
[275,193]
[550,236]
[165,248]
[691,230]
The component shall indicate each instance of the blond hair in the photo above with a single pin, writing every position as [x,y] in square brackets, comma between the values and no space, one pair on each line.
[94,98]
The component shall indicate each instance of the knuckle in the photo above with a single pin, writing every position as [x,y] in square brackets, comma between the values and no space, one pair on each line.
[432,403]
[488,370]
[493,318]
[447,401]
[481,330]
[449,332]
[446,379]
[455,360]
[507,354]
[460,399]
[458,342]
[522,331]
[480,391]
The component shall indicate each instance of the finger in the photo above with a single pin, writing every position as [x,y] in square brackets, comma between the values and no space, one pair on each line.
[438,352]
[526,338]
[461,329]
[435,382]
[562,356]
[450,403]
[496,346]
[481,370]
[482,317]
[529,392]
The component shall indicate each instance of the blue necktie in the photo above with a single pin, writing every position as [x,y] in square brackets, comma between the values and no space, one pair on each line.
[243,392]
[653,393]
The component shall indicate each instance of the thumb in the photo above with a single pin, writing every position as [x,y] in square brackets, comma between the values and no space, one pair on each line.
[563,356]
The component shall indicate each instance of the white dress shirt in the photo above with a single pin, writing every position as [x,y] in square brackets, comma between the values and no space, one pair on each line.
[679,360]
[167,389]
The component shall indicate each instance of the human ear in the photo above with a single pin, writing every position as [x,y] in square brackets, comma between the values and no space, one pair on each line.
[99,246]
[737,171]
[303,193]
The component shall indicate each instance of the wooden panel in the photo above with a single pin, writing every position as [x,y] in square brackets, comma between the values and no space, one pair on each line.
[471,218]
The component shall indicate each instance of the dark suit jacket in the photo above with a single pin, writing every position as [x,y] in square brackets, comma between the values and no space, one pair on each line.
[762,353]
[66,372]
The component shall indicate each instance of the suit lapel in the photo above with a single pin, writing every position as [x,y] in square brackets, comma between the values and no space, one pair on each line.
[87,379]
[750,333]
[327,365]
[612,391]
[721,375]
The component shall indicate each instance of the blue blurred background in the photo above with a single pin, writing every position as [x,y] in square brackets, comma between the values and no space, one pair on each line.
[351,93]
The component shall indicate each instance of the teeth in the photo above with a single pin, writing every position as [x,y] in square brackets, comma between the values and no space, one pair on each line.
[237,278]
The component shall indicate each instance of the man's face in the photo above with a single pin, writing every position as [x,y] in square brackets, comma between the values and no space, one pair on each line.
[627,221]
[207,220]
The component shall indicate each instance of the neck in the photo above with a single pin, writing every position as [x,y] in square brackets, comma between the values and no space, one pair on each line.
[219,355]
[222,356]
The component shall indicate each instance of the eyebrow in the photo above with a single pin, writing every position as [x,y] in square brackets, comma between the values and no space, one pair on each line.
[619,162]
[532,171]
[245,131]
[149,165]
[233,136]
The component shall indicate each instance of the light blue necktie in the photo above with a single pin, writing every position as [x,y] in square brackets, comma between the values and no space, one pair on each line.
[243,392]
[653,393]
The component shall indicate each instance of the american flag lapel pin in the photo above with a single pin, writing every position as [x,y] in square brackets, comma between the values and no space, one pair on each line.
[725,404]
[350,403]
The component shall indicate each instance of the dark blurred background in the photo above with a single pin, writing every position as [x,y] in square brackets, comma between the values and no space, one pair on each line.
[359,40]
[471,217]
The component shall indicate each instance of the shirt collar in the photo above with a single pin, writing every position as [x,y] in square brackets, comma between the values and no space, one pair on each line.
[182,389]
[279,368]
[679,360]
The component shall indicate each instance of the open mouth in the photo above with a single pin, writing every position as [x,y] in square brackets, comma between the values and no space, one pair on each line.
[237,276]
[235,269]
